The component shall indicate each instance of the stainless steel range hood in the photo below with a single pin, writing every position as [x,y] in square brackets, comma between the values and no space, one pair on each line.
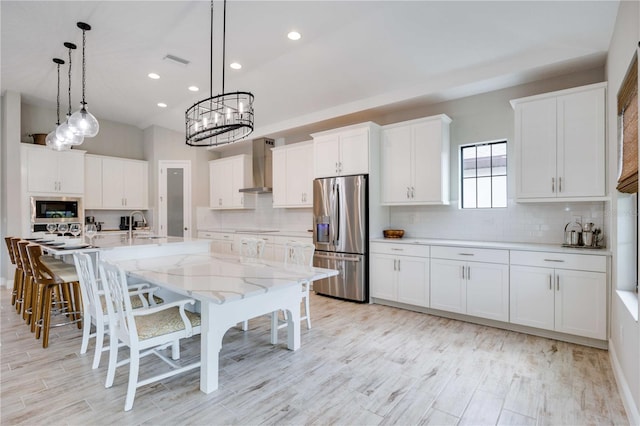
[262,166]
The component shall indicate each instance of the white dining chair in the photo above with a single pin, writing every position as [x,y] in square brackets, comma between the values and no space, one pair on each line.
[95,308]
[144,331]
[298,253]
[251,251]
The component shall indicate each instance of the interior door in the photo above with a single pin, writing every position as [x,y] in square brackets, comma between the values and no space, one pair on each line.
[174,198]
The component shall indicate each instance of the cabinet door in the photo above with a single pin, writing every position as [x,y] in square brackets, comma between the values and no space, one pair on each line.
[413,281]
[427,162]
[219,183]
[536,148]
[354,152]
[42,170]
[488,290]
[136,184]
[396,165]
[71,172]
[581,301]
[532,296]
[113,181]
[326,155]
[448,287]
[581,144]
[92,182]
[383,276]
[238,181]
[299,176]
[279,177]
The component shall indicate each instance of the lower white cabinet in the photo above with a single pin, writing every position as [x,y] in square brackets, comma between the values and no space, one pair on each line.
[478,287]
[222,242]
[400,273]
[560,292]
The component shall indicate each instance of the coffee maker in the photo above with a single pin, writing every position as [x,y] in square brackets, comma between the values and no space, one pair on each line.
[124,223]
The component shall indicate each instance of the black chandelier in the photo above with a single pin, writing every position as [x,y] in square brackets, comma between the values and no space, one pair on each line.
[220,119]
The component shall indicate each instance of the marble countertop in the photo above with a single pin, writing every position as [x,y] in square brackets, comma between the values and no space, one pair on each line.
[274,232]
[557,248]
[219,278]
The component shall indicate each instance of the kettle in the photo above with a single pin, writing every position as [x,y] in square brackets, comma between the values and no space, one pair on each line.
[573,234]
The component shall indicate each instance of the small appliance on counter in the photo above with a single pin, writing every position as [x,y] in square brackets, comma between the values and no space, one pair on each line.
[578,235]
[124,223]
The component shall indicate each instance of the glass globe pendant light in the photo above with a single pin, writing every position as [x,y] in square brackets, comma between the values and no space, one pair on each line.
[82,121]
[64,131]
[52,141]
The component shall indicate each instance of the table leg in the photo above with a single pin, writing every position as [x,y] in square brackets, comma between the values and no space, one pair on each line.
[293,325]
[210,345]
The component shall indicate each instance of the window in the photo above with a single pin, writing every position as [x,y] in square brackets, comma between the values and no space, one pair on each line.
[483,175]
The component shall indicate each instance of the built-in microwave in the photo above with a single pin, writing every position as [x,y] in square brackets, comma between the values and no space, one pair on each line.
[56,210]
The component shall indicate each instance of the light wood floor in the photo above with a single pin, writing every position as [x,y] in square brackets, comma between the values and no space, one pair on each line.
[360,364]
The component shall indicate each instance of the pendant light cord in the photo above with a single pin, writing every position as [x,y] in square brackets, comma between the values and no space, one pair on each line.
[58,98]
[224,41]
[211,55]
[84,38]
[69,114]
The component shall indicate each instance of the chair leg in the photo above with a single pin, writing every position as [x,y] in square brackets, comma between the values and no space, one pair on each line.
[245,325]
[27,309]
[19,301]
[99,341]
[175,350]
[306,310]
[113,359]
[77,305]
[46,318]
[37,309]
[134,365]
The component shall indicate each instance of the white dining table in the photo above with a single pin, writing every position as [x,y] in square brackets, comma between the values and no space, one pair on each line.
[230,290]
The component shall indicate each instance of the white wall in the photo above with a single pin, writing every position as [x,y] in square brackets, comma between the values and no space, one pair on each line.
[625,332]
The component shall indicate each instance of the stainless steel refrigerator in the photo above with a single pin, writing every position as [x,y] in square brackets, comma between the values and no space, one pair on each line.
[341,236]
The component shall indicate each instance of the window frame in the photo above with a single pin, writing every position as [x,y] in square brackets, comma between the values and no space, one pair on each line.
[462,178]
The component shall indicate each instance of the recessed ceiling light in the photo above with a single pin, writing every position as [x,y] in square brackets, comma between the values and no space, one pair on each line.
[162,105]
[294,35]
[235,65]
[194,88]
[153,75]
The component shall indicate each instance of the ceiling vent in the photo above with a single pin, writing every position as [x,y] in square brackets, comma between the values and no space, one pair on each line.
[177,60]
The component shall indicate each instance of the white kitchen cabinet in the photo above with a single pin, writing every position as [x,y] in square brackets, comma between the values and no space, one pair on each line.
[49,171]
[344,151]
[560,145]
[293,175]
[124,183]
[400,273]
[226,177]
[92,182]
[477,287]
[560,292]
[415,162]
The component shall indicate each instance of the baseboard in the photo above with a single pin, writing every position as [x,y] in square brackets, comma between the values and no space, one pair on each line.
[623,388]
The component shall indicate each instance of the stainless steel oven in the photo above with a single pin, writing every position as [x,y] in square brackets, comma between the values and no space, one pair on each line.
[56,210]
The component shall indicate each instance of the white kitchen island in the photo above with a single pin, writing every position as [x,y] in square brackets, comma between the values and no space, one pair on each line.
[230,291]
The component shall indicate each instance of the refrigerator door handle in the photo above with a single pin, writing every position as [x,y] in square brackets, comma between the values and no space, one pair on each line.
[337,215]
[339,257]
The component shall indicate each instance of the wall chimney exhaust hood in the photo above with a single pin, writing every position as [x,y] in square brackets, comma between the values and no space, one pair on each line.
[262,167]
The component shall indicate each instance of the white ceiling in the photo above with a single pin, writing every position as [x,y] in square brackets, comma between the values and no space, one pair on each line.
[353,55]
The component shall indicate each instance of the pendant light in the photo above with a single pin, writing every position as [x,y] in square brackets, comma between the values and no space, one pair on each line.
[220,119]
[52,140]
[82,121]
[64,131]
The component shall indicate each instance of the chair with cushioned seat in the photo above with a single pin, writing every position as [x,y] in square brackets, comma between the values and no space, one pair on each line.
[144,331]
[95,307]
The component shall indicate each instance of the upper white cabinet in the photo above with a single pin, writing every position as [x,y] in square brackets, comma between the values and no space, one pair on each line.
[293,175]
[116,183]
[560,145]
[226,177]
[415,162]
[344,151]
[49,171]
[561,292]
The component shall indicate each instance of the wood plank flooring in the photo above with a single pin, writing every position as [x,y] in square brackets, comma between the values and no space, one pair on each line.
[358,365]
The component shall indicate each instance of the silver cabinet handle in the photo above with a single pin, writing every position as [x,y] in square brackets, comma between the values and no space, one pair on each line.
[398,264]
[558,282]
[550,278]
[468,272]
[395,264]
[465,254]
[397,249]
[413,192]
[408,192]
[560,184]
[554,260]
[462,272]
[553,184]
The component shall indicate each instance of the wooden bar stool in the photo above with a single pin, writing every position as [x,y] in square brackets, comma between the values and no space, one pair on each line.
[27,284]
[18,279]
[14,292]
[52,276]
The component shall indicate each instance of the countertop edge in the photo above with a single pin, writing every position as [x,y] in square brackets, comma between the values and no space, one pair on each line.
[557,248]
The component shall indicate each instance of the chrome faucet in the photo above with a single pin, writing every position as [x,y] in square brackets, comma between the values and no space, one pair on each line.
[144,220]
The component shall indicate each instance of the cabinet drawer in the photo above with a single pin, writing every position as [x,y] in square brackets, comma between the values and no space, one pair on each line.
[268,239]
[399,249]
[470,254]
[206,234]
[581,262]
[222,236]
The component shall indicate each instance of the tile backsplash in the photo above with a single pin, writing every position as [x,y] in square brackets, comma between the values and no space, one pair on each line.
[519,222]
